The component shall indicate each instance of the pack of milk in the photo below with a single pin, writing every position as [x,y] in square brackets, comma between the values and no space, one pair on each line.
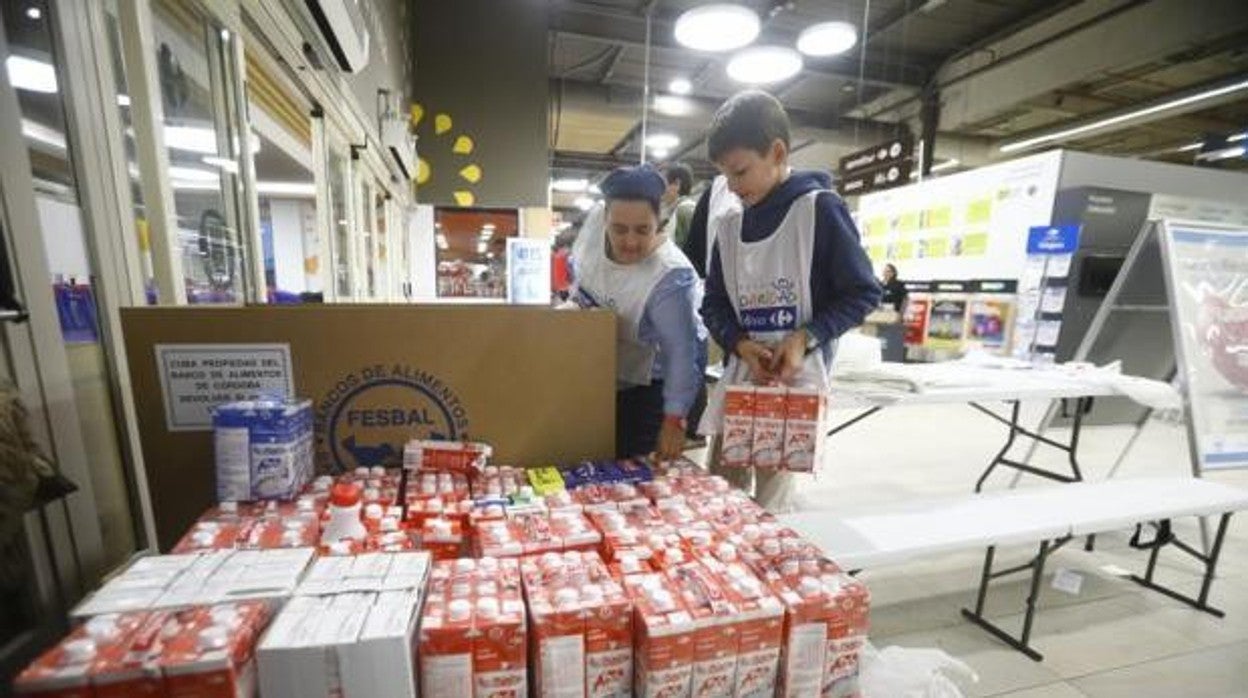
[263,449]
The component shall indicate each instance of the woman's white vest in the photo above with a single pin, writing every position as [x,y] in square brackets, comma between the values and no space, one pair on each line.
[624,289]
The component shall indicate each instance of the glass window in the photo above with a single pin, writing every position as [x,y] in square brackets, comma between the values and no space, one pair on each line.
[285,188]
[341,225]
[472,247]
[193,62]
[366,223]
[380,240]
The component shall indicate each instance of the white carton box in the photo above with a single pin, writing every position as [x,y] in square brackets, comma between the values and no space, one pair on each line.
[381,663]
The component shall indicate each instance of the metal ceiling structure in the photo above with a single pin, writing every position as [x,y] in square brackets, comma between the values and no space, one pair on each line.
[980,73]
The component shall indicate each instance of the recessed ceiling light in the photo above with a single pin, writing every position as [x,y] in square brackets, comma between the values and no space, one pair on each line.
[659,153]
[34,13]
[680,86]
[717,27]
[663,141]
[673,105]
[31,75]
[762,65]
[827,39]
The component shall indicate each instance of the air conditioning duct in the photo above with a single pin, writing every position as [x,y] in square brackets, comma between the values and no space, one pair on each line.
[343,31]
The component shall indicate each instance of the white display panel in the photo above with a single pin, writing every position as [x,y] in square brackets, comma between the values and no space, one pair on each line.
[1207,277]
[965,226]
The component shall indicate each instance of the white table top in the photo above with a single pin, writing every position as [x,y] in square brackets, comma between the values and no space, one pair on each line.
[954,382]
[933,526]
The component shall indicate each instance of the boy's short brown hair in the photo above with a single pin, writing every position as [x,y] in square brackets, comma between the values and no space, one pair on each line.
[751,119]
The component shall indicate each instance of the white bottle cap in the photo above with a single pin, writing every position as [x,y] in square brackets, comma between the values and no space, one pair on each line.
[228,507]
[361,472]
[726,552]
[488,564]
[203,537]
[389,524]
[213,637]
[305,505]
[372,511]
[292,538]
[458,610]
[809,586]
[372,494]
[463,564]
[378,471]
[487,607]
[771,547]
[104,626]
[340,547]
[591,594]
[79,651]
[487,589]
[225,615]
[565,597]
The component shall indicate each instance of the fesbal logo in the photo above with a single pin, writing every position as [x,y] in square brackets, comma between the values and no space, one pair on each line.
[367,415]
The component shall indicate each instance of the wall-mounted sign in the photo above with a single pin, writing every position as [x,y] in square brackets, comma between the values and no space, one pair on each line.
[886,177]
[879,167]
[194,378]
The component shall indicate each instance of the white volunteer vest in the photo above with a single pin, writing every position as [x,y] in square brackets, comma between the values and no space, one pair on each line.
[768,282]
[624,289]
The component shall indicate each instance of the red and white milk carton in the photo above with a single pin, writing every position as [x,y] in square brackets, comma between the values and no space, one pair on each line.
[738,430]
[499,649]
[212,653]
[69,668]
[758,625]
[767,450]
[134,673]
[826,625]
[714,617]
[442,537]
[802,437]
[446,648]
[664,638]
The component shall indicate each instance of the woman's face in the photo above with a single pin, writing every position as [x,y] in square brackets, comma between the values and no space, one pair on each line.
[632,231]
[889,272]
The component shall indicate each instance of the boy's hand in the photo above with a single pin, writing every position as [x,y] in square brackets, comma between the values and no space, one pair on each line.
[758,358]
[787,360]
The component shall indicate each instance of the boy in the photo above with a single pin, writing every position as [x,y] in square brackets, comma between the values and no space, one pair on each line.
[785,275]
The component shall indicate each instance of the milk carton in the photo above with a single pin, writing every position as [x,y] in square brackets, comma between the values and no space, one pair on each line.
[767,450]
[714,639]
[212,653]
[738,431]
[263,449]
[665,633]
[802,436]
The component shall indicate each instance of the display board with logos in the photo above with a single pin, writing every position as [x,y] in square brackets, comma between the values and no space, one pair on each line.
[883,166]
[380,375]
[962,226]
[949,317]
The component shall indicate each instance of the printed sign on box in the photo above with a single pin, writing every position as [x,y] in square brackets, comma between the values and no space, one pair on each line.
[194,378]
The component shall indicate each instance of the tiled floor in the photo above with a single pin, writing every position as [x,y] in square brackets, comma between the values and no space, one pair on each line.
[1113,638]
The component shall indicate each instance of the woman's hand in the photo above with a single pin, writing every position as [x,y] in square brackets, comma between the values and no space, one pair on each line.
[787,360]
[671,443]
[758,358]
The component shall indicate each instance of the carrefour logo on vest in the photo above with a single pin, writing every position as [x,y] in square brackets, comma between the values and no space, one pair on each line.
[775,319]
[367,416]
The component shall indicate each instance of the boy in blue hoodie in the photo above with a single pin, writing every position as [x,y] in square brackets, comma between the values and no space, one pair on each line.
[785,273]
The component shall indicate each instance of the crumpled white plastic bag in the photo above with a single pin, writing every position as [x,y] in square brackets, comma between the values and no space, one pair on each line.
[900,672]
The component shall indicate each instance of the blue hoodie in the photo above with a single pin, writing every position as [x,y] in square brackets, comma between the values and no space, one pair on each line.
[843,287]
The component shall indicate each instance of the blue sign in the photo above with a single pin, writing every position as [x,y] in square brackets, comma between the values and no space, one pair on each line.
[782,318]
[1053,239]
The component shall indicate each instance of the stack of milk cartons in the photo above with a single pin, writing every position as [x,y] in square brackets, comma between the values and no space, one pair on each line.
[773,427]
[581,626]
[349,631]
[473,631]
[263,449]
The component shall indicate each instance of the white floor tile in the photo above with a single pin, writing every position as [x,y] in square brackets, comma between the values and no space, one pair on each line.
[1220,672]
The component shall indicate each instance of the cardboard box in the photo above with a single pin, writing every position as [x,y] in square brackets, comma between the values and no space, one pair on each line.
[802,433]
[770,407]
[738,429]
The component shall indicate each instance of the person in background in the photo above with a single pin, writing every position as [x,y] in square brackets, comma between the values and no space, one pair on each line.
[624,263]
[787,275]
[561,270]
[677,209]
[894,290]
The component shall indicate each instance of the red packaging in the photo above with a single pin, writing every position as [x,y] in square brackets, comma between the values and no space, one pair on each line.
[212,653]
[457,456]
[714,617]
[826,624]
[497,538]
[803,412]
[442,537]
[767,450]
[738,428]
[292,532]
[446,648]
[664,638]
[499,665]
[136,671]
[67,669]
[214,535]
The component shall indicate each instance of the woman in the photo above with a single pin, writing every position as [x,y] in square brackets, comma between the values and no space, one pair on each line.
[626,264]
[894,290]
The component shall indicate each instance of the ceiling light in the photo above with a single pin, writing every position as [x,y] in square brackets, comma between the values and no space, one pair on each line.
[946,165]
[36,131]
[571,186]
[302,189]
[717,27]
[680,86]
[827,39]
[662,141]
[31,75]
[34,13]
[1133,114]
[1190,147]
[659,153]
[1222,154]
[1237,137]
[673,105]
[488,226]
[761,65]
[584,203]
[123,100]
